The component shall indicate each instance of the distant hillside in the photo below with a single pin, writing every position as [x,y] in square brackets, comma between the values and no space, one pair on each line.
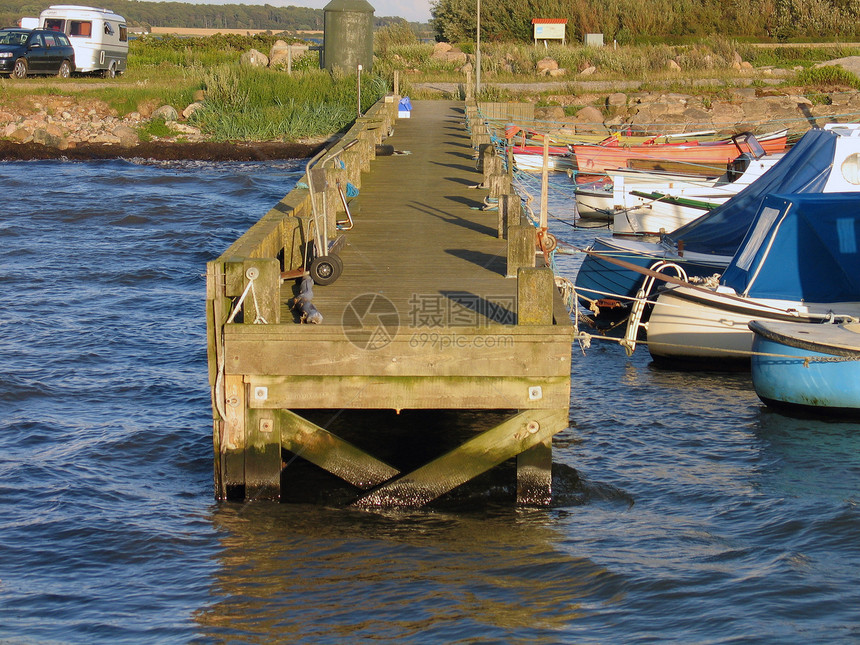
[181,14]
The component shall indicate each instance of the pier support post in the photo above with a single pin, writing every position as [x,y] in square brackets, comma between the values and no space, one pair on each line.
[521,248]
[534,307]
[262,455]
[352,160]
[485,152]
[499,184]
[491,163]
[510,211]
[534,295]
[368,150]
[232,439]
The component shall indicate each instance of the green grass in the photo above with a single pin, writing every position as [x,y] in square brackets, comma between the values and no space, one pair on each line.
[155,128]
[828,76]
[256,103]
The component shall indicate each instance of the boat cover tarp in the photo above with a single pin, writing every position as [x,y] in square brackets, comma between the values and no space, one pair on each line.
[801,247]
[804,169]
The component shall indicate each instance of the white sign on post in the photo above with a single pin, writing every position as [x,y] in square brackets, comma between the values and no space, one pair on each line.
[549,29]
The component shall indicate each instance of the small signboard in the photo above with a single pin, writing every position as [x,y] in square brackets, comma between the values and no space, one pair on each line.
[549,29]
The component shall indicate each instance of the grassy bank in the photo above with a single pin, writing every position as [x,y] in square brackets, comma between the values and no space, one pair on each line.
[241,102]
[245,103]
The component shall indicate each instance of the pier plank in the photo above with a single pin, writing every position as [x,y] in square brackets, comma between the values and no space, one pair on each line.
[401,393]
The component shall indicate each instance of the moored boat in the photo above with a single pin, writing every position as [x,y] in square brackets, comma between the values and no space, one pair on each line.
[529,158]
[823,161]
[648,210]
[799,262]
[809,368]
[600,158]
[625,138]
[646,201]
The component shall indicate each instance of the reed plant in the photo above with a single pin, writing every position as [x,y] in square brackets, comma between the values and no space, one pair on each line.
[247,103]
[209,51]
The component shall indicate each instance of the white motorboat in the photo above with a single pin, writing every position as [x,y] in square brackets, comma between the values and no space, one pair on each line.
[648,209]
[799,262]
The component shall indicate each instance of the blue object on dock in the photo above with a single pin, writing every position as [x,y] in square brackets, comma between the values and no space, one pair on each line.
[405,105]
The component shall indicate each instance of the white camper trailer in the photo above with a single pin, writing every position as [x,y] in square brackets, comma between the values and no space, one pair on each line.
[99,36]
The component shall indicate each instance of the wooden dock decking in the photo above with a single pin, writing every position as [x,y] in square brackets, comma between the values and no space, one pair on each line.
[423,317]
[416,228]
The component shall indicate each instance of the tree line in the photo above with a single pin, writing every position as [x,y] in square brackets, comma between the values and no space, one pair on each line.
[181,14]
[631,21]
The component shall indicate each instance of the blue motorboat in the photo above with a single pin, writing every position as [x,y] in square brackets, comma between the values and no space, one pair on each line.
[823,161]
[807,368]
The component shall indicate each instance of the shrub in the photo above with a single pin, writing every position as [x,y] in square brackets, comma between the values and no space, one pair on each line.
[396,34]
[827,76]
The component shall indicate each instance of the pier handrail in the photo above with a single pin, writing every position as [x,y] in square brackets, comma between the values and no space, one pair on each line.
[275,245]
[269,236]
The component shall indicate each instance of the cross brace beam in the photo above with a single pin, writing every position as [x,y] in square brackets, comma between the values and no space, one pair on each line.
[512,437]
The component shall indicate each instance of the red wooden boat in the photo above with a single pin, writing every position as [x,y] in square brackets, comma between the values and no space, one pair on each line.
[600,158]
[538,150]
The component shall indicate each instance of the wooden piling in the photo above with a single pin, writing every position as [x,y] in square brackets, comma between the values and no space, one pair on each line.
[521,248]
[510,213]
[535,295]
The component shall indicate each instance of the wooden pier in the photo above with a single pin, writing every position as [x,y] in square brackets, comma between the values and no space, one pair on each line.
[439,310]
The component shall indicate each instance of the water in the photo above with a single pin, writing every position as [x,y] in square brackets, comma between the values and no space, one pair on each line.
[684,510]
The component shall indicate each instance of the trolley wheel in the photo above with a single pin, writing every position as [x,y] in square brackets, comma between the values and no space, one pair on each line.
[325,269]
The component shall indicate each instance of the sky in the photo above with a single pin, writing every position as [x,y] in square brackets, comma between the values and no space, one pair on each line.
[412,10]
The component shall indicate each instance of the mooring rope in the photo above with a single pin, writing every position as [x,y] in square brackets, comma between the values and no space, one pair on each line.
[584,338]
[258,320]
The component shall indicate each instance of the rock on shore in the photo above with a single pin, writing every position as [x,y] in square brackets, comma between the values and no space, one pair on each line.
[672,112]
[64,122]
[57,126]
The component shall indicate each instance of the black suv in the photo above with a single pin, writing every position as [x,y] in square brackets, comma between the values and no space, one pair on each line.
[35,51]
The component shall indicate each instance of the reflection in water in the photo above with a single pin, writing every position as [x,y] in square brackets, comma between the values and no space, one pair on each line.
[304,572]
[829,471]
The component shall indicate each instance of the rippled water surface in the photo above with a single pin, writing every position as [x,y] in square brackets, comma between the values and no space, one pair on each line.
[684,510]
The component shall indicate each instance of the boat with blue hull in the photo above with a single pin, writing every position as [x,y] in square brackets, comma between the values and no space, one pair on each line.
[823,161]
[807,368]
